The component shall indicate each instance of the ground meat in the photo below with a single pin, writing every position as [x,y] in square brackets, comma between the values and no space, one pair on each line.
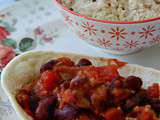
[69,91]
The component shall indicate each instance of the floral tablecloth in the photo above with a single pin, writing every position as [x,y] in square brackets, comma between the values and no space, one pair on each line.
[37,25]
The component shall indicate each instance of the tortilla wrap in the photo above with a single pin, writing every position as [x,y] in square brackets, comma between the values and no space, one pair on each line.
[25,68]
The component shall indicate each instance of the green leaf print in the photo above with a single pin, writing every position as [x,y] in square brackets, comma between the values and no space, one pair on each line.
[27,44]
[10,29]
[10,43]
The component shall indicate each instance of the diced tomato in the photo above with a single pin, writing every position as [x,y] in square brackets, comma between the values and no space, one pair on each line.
[81,101]
[145,113]
[49,80]
[118,63]
[73,96]
[24,100]
[100,75]
[65,61]
[99,96]
[120,95]
[114,114]
[28,111]
[66,97]
[66,72]
[67,91]
[84,117]
[154,90]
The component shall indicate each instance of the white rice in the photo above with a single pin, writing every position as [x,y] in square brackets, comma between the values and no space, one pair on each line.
[115,10]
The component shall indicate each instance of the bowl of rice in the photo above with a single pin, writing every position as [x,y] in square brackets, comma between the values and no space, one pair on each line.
[116,26]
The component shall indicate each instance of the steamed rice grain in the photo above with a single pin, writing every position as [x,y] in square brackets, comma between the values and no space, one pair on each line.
[115,10]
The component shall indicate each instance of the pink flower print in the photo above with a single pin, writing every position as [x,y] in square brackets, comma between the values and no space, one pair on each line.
[104,43]
[3,33]
[148,31]
[131,44]
[2,15]
[89,28]
[6,54]
[81,35]
[155,40]
[38,31]
[47,38]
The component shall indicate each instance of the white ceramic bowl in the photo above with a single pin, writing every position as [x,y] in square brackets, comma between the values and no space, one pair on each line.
[115,37]
[25,68]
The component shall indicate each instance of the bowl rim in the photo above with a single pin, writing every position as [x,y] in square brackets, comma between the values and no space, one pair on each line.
[105,21]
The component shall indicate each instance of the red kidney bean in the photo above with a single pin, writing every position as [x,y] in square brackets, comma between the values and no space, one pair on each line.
[84,62]
[100,118]
[154,90]
[42,111]
[130,104]
[87,116]
[140,98]
[33,101]
[116,83]
[48,66]
[65,85]
[132,83]
[143,96]
[155,103]
[66,113]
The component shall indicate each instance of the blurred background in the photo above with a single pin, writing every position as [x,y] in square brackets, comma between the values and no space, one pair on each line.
[5,3]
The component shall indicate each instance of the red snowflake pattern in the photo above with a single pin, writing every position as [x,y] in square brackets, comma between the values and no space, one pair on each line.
[89,28]
[133,33]
[155,40]
[77,23]
[131,44]
[81,35]
[118,33]
[144,42]
[93,42]
[68,20]
[103,31]
[148,31]
[104,43]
